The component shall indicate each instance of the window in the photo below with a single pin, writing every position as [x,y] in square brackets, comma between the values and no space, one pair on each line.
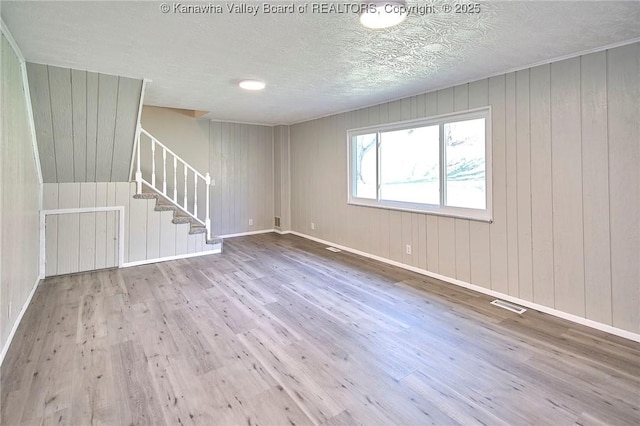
[437,165]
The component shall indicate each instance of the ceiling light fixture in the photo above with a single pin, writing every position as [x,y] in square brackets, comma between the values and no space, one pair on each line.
[252,84]
[383,14]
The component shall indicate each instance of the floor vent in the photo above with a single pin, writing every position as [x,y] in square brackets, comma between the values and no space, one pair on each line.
[333,249]
[508,306]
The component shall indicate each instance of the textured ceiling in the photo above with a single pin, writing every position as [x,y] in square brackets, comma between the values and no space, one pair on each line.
[314,63]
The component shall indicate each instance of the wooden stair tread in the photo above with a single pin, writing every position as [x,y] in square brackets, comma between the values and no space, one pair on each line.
[179,216]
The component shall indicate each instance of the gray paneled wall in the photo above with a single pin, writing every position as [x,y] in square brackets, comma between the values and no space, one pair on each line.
[566,205]
[85,123]
[282,184]
[88,241]
[20,191]
[241,162]
[239,157]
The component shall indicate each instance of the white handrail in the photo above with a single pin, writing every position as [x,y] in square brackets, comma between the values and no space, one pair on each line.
[162,188]
[172,153]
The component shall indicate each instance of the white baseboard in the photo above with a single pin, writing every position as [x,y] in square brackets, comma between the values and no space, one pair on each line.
[547,310]
[164,259]
[243,234]
[18,320]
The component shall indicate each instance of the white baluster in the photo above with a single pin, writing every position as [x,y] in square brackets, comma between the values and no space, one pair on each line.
[195,195]
[138,172]
[164,171]
[175,179]
[185,186]
[153,162]
[207,221]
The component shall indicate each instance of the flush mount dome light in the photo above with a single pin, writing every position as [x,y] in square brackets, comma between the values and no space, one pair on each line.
[383,14]
[252,84]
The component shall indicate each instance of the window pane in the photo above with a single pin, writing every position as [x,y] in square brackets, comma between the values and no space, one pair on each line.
[410,165]
[365,166]
[465,157]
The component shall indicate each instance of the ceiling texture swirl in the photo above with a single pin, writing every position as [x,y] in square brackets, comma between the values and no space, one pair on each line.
[314,63]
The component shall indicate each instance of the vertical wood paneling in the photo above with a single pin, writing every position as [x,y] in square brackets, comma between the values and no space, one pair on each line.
[41,104]
[124,197]
[241,192]
[153,231]
[423,237]
[550,124]
[227,178]
[137,222]
[168,235]
[101,226]
[461,97]
[567,187]
[68,230]
[541,186]
[479,93]
[416,237]
[116,195]
[108,96]
[623,89]
[462,256]
[462,241]
[50,202]
[128,99]
[511,150]
[523,164]
[433,244]
[395,236]
[479,254]
[447,246]
[215,168]
[79,106]
[87,259]
[191,243]
[62,118]
[479,232]
[445,100]
[407,239]
[499,264]
[446,225]
[241,164]
[182,235]
[51,246]
[85,123]
[94,237]
[595,186]
[92,126]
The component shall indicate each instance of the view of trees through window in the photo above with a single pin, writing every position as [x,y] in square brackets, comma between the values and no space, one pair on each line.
[465,152]
[404,165]
[410,165]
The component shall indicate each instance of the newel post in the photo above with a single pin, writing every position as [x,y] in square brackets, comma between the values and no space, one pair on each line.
[207,221]
[138,172]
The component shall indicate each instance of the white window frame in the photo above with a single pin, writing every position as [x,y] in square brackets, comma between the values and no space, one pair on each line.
[441,210]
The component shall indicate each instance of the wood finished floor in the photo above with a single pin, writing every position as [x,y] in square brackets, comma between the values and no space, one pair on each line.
[277,330]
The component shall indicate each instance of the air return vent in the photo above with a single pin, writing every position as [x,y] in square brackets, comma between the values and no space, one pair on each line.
[333,249]
[276,222]
[508,306]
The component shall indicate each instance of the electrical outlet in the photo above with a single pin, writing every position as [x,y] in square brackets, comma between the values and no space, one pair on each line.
[408,249]
[313,225]
[250,222]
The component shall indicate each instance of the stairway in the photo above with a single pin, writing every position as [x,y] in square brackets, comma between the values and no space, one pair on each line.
[179,216]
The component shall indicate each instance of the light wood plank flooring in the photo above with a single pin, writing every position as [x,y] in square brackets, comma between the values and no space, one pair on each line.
[279,331]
